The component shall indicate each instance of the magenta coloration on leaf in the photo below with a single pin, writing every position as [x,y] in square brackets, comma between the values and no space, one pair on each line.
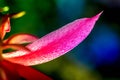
[54,44]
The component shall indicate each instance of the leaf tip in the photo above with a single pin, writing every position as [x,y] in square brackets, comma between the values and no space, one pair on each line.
[96,17]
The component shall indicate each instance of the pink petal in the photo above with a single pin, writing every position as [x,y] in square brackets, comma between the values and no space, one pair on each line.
[56,43]
[16,72]
[20,39]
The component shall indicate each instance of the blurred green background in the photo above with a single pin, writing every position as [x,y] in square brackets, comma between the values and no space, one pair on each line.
[96,58]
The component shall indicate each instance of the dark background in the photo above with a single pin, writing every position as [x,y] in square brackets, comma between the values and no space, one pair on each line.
[96,58]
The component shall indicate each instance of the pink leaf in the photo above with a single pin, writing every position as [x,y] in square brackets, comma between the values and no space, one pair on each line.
[56,43]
